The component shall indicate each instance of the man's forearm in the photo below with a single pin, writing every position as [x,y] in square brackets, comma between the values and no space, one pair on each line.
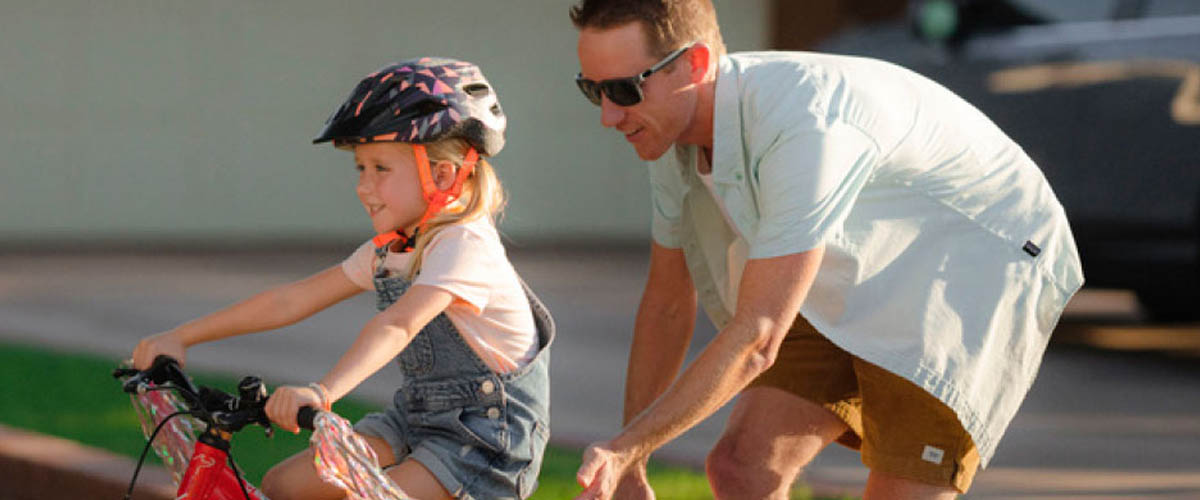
[725,367]
[771,292]
[661,336]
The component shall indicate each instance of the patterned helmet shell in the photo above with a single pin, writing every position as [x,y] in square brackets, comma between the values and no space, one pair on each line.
[420,101]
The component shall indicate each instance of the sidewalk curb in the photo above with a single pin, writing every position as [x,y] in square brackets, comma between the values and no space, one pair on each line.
[38,467]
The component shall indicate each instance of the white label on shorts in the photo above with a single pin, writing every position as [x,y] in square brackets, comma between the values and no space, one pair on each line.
[932,454]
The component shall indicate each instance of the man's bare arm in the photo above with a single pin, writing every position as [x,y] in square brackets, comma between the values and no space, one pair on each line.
[770,296]
[666,319]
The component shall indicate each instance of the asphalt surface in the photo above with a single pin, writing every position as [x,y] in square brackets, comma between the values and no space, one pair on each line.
[1099,423]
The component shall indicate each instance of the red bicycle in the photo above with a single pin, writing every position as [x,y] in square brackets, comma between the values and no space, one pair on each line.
[173,411]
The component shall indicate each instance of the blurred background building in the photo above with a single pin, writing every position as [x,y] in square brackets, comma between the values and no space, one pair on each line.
[143,124]
[189,123]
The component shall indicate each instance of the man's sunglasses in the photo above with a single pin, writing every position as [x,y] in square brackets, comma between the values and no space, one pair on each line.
[624,91]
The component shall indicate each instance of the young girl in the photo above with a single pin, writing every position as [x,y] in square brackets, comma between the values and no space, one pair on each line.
[470,417]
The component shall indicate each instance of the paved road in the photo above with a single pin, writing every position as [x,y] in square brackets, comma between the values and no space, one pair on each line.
[1097,424]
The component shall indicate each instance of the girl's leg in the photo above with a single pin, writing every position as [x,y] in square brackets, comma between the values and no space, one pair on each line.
[417,482]
[295,478]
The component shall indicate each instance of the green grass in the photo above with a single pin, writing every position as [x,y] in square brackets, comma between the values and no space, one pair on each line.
[75,397]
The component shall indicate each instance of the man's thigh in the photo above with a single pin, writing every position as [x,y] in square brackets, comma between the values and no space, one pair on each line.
[818,373]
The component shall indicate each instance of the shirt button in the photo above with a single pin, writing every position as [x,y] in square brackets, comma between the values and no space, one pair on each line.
[493,413]
[487,387]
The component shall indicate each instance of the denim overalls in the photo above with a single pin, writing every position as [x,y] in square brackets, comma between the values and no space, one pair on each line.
[482,434]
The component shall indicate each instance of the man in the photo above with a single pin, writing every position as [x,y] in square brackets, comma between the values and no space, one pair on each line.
[884,265]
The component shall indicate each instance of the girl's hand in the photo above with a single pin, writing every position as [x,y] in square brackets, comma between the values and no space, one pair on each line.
[602,469]
[283,405]
[155,345]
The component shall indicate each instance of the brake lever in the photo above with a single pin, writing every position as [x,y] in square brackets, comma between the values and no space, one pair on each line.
[124,372]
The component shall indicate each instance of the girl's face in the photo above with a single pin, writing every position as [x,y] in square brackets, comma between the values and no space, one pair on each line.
[389,186]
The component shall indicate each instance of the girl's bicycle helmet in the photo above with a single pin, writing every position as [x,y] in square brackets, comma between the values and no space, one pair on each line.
[420,101]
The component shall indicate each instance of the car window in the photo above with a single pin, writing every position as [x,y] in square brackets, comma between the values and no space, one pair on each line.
[1068,10]
[1101,10]
[1159,8]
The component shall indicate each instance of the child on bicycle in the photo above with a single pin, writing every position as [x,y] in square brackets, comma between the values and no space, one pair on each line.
[470,418]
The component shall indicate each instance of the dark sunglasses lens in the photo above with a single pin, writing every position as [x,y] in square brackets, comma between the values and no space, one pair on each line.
[590,89]
[623,92]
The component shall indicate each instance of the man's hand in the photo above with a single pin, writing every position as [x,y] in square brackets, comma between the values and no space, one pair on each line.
[603,468]
[634,485]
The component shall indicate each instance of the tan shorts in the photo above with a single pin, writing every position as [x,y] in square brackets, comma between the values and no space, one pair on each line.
[900,428]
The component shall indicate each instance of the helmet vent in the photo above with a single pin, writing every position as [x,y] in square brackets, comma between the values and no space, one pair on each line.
[425,108]
[477,89]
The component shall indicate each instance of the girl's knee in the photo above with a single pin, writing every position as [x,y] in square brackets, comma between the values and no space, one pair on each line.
[295,479]
[273,485]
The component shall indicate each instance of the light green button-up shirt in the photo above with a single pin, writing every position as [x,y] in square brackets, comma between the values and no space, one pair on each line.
[948,259]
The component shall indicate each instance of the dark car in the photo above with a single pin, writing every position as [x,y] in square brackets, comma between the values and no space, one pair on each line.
[1105,97]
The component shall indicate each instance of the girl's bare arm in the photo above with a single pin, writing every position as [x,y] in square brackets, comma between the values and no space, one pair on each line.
[380,341]
[274,308]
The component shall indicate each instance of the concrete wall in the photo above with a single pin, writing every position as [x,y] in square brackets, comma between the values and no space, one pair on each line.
[149,121]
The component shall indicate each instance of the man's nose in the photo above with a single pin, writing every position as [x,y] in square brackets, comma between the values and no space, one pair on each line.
[364,185]
[610,114]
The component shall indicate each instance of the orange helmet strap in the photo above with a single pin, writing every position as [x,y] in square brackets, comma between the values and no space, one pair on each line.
[436,198]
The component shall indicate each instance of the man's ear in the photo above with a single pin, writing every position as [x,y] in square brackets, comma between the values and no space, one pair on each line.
[699,56]
[443,174]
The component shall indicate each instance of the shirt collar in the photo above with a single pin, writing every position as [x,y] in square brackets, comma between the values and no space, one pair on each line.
[727,155]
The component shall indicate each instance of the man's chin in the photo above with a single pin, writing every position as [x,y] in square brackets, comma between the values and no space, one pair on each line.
[650,154]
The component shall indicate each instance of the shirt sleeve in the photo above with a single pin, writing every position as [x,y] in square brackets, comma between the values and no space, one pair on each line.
[666,199]
[463,263]
[358,266]
[808,182]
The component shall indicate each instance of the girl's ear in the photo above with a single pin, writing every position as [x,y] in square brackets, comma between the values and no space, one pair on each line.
[443,174]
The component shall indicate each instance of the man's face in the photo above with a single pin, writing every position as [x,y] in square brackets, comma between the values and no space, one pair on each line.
[656,123]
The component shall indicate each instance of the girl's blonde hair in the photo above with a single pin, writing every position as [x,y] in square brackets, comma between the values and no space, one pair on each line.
[482,196]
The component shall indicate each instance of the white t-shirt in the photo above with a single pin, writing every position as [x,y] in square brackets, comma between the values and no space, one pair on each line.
[490,309]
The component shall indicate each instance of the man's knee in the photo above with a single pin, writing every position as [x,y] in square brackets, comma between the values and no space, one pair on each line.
[728,473]
[743,470]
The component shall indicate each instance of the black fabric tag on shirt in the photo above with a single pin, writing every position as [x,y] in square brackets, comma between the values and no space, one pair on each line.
[1031,249]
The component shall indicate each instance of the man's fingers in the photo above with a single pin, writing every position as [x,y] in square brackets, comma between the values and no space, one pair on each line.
[588,471]
[593,488]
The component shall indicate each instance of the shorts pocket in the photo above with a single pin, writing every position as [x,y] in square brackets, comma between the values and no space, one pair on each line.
[470,426]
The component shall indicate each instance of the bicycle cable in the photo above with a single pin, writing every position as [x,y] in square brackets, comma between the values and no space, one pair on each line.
[149,444]
[238,475]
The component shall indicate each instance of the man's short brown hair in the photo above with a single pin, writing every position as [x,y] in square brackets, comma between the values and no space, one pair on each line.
[669,24]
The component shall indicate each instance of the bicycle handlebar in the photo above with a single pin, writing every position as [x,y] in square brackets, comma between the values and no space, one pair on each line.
[305,417]
[213,406]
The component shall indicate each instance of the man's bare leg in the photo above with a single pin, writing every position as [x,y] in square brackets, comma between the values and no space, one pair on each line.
[771,435]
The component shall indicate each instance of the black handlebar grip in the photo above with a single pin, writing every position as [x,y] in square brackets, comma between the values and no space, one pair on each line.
[304,418]
[161,361]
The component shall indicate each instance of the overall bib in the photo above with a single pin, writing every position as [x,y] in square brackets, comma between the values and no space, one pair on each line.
[481,433]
